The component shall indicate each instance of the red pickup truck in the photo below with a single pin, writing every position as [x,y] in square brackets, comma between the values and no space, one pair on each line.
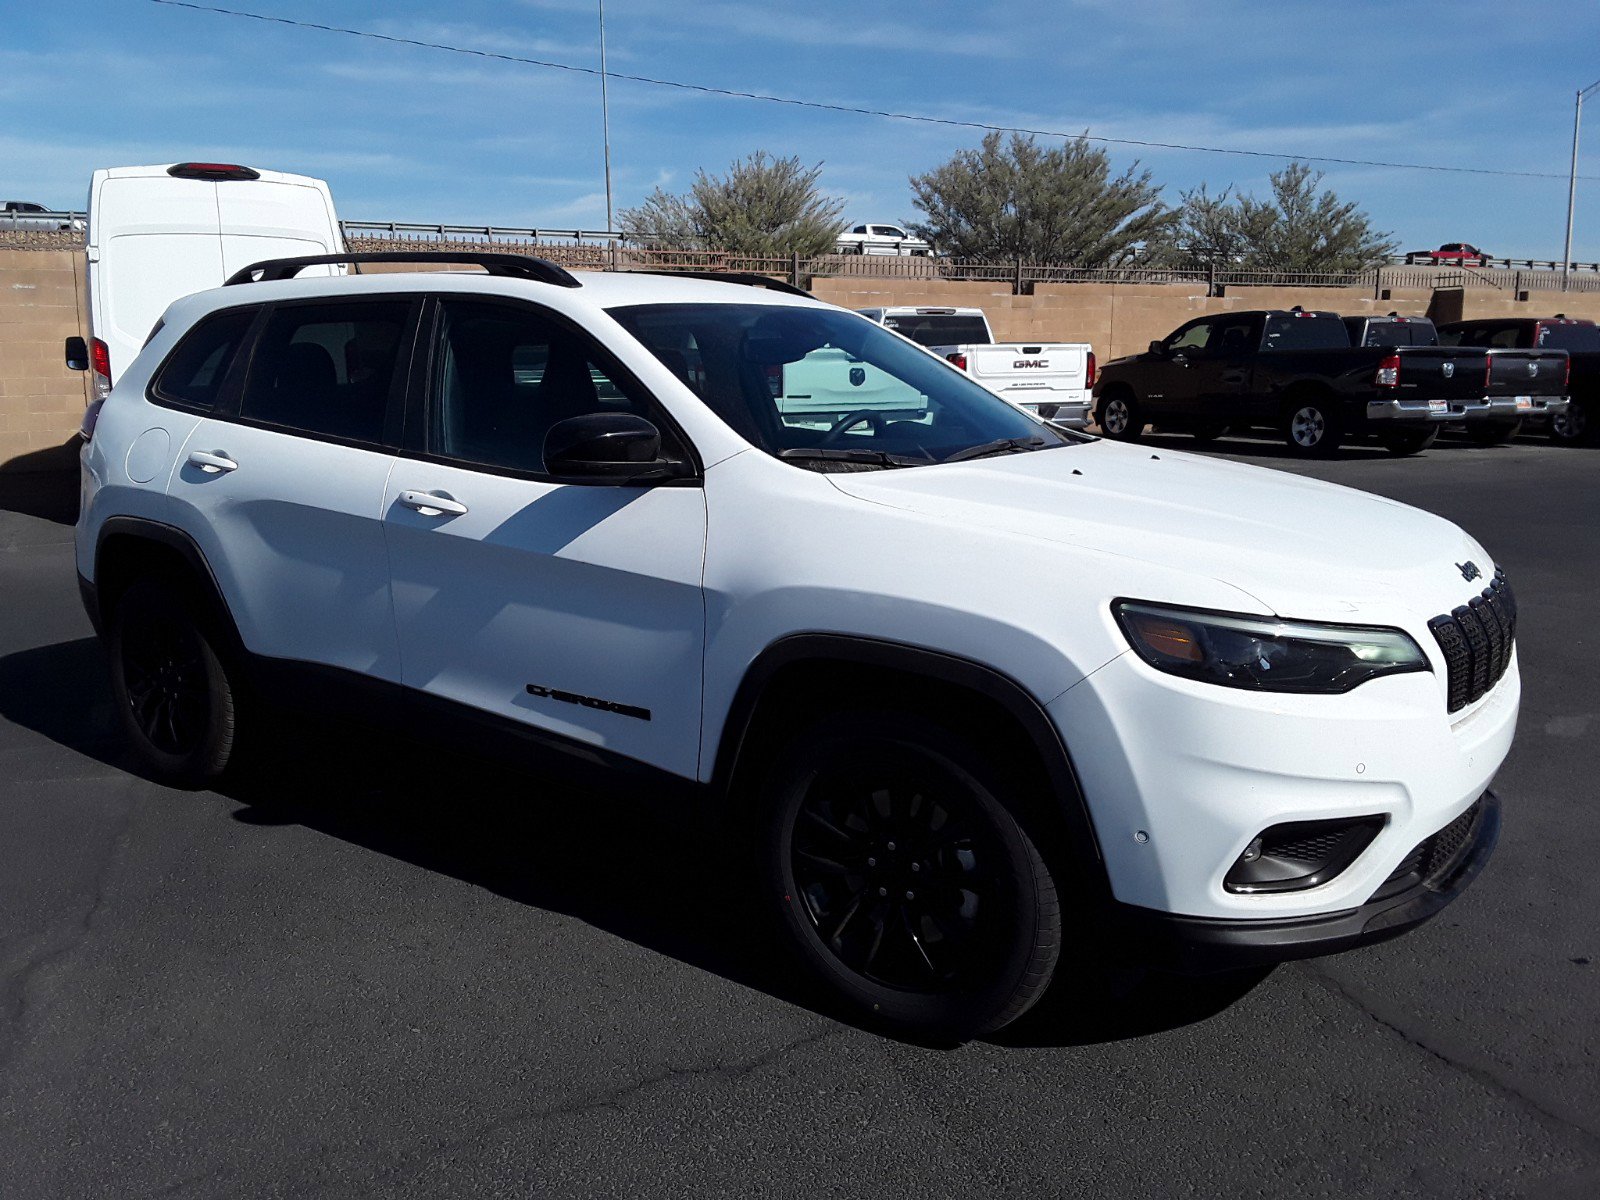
[1461,254]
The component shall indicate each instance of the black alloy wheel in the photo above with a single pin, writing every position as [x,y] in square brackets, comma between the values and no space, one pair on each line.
[173,693]
[906,885]
[1573,427]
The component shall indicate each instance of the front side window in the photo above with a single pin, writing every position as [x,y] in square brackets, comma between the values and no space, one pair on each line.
[192,376]
[1192,338]
[816,386]
[503,375]
[326,369]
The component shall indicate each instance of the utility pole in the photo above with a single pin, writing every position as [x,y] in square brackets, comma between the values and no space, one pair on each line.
[605,123]
[1572,182]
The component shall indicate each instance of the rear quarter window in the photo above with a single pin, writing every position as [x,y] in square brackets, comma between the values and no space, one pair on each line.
[193,374]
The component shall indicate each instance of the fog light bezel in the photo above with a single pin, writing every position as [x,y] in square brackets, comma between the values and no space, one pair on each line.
[1269,874]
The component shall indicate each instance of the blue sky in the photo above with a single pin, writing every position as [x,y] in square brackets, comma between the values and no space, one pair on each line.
[410,134]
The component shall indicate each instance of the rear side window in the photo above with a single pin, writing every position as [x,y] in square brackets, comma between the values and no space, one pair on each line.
[193,374]
[1305,333]
[326,369]
[1569,337]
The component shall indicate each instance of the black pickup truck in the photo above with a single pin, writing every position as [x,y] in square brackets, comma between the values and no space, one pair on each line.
[1521,385]
[1579,422]
[1290,370]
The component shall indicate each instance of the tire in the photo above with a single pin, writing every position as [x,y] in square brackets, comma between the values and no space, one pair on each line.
[1409,441]
[176,698]
[1575,427]
[1119,417]
[863,811]
[1493,433]
[1311,426]
[1208,431]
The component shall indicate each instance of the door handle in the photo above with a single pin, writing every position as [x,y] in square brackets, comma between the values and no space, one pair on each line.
[433,504]
[212,462]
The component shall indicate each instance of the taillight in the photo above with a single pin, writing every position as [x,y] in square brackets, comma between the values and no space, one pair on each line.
[1388,371]
[1488,370]
[958,359]
[91,418]
[100,364]
[1088,371]
[1566,379]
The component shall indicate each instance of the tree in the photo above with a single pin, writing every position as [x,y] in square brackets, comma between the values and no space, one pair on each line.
[1297,230]
[1017,199]
[764,207]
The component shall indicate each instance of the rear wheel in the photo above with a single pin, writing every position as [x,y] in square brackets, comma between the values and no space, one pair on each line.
[176,697]
[1493,433]
[903,879]
[1574,427]
[1409,441]
[1119,416]
[1311,427]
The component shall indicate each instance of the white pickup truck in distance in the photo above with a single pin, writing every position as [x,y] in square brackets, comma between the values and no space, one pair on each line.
[882,239]
[1052,379]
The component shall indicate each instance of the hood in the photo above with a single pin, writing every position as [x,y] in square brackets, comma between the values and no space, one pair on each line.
[1301,547]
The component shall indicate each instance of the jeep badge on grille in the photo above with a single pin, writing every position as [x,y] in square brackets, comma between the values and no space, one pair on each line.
[1469,570]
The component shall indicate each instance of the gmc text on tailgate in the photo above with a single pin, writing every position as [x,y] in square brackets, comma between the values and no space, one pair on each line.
[1292,371]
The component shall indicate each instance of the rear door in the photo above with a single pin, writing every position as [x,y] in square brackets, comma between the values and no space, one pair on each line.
[573,609]
[285,482]
[275,217]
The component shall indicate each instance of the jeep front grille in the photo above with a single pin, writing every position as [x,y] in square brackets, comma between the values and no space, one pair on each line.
[1477,639]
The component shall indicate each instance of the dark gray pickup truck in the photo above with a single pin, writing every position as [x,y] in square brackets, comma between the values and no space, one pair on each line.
[1291,370]
[1578,422]
[1520,384]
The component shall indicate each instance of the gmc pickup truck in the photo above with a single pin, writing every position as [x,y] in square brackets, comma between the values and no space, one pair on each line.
[1293,371]
[1518,386]
[1578,423]
[1052,379]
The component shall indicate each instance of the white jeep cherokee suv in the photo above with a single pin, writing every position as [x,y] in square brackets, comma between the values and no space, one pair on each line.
[983,695]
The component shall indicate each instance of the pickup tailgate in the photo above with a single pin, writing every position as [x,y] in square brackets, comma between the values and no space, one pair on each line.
[1440,372]
[1015,370]
[1527,374]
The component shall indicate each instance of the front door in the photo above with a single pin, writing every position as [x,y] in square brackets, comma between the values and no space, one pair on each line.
[573,608]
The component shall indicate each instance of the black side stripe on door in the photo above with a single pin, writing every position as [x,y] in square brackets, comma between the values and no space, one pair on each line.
[611,706]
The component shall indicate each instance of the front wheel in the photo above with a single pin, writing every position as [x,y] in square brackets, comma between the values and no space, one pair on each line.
[1119,417]
[1409,441]
[904,881]
[176,697]
[1493,433]
[1312,428]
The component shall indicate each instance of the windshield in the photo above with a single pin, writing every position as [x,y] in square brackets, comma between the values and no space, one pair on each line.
[1569,337]
[940,329]
[829,390]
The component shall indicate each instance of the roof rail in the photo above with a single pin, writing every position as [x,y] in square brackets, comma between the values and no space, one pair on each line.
[516,266]
[748,278]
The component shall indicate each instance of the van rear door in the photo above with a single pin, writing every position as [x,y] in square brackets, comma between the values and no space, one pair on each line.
[277,216]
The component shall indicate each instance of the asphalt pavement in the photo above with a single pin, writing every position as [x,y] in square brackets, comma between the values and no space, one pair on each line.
[377,971]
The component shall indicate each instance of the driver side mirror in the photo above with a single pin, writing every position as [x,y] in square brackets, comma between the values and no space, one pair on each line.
[1159,349]
[607,447]
[77,354]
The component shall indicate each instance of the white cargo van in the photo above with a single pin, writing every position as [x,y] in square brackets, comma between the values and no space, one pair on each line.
[159,233]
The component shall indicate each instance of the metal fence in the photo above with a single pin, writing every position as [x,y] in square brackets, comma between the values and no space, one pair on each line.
[600,250]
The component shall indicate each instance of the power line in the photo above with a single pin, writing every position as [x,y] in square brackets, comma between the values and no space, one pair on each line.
[796,102]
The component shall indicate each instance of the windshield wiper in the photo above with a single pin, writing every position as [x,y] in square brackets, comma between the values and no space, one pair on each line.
[1003,446]
[857,455]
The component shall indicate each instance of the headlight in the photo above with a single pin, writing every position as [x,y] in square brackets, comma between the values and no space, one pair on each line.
[1264,653]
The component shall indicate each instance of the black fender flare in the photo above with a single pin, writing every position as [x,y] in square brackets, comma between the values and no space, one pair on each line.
[992,685]
[171,538]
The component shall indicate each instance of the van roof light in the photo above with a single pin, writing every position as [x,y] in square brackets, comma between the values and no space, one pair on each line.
[213,172]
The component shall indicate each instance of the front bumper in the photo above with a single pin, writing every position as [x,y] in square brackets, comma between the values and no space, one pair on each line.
[1505,409]
[1195,945]
[1421,412]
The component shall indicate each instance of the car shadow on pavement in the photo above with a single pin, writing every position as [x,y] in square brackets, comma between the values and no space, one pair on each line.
[648,868]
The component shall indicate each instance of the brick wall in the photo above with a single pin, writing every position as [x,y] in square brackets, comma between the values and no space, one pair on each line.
[41,402]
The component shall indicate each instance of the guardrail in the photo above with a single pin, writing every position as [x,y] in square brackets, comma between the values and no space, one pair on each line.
[44,221]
